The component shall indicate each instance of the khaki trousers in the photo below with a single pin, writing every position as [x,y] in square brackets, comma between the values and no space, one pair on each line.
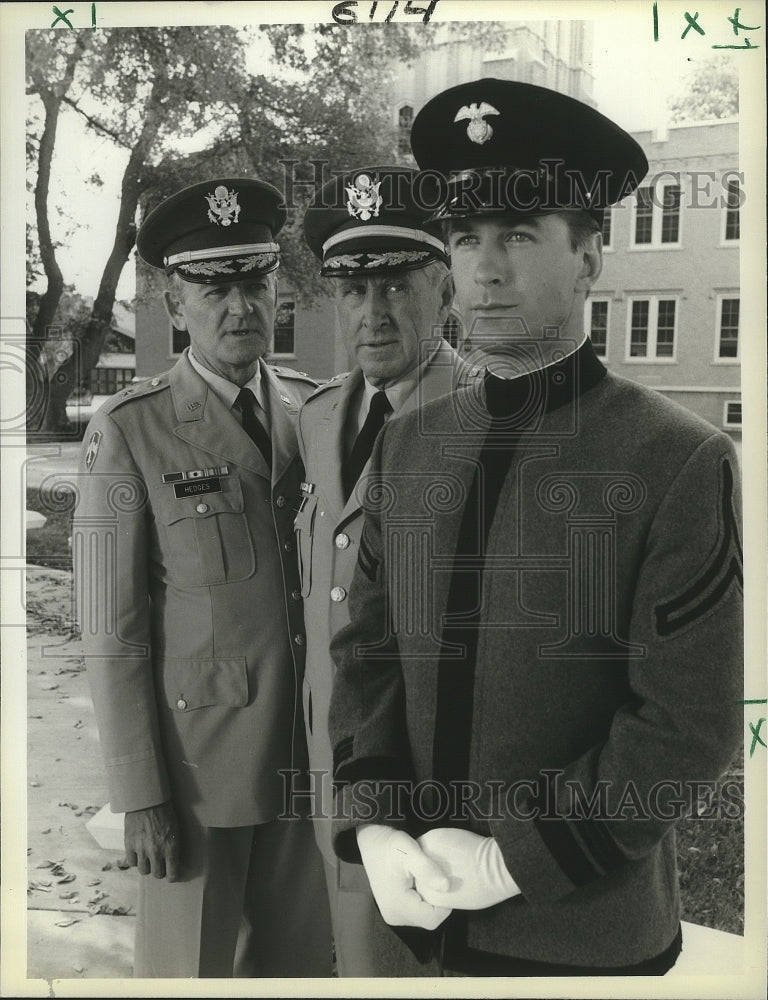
[352,916]
[251,903]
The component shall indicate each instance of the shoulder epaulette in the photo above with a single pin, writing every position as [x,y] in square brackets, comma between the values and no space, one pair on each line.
[332,383]
[137,390]
[292,374]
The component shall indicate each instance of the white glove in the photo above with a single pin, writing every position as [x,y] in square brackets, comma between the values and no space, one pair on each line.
[392,861]
[475,866]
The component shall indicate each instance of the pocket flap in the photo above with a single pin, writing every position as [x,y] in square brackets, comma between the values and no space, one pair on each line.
[191,684]
[229,500]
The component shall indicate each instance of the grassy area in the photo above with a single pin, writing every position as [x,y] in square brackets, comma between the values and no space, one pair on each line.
[710,851]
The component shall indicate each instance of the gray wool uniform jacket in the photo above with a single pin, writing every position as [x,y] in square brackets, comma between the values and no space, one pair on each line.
[546,620]
[328,529]
[189,597]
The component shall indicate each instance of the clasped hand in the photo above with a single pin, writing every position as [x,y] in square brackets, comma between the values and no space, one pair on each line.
[419,883]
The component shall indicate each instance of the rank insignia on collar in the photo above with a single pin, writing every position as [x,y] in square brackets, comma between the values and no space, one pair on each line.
[222,206]
[363,197]
[308,488]
[478,131]
[93,450]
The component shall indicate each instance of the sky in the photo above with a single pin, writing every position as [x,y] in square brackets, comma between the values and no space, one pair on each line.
[634,77]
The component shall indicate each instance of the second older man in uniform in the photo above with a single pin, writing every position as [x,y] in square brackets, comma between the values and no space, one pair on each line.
[190,610]
[393,293]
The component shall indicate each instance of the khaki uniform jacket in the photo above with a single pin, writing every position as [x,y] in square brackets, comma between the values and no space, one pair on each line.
[328,534]
[189,598]
[607,664]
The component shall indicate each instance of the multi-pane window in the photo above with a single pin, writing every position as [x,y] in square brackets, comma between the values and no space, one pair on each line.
[652,327]
[732,221]
[670,214]
[728,329]
[285,317]
[598,326]
[665,329]
[451,331]
[108,381]
[657,216]
[644,216]
[638,331]
[607,228]
[732,413]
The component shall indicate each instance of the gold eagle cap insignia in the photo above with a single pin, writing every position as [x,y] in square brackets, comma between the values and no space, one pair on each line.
[363,198]
[223,209]
[478,130]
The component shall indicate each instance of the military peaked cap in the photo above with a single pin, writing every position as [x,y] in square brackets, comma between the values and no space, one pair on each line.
[375,221]
[508,146]
[222,229]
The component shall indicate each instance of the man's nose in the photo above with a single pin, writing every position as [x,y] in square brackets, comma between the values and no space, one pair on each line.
[374,307]
[239,301]
[489,265]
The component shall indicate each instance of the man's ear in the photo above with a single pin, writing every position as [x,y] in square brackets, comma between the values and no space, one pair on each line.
[175,309]
[446,293]
[591,262]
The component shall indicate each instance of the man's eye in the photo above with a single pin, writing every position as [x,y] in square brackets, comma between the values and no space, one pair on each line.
[464,240]
[216,291]
[354,290]
[517,237]
[395,287]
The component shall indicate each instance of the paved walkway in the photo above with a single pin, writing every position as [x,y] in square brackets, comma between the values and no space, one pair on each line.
[81,904]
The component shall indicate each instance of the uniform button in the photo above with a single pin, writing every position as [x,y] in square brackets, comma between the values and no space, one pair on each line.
[202,508]
[295,595]
[288,545]
[299,639]
[338,594]
[155,381]
[280,501]
[181,704]
[342,540]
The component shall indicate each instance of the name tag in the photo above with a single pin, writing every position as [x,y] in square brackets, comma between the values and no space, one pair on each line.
[196,487]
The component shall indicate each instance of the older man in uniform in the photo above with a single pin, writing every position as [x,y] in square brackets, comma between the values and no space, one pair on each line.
[190,608]
[544,660]
[393,292]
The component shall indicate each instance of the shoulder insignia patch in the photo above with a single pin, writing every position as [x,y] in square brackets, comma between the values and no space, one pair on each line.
[724,569]
[93,450]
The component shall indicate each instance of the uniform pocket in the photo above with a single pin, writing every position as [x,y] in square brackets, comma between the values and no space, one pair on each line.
[207,538]
[191,684]
[304,526]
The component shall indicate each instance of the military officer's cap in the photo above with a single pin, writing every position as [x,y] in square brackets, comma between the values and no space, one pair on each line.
[508,146]
[219,230]
[374,220]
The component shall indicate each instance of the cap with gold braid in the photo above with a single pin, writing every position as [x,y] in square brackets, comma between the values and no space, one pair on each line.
[374,221]
[219,230]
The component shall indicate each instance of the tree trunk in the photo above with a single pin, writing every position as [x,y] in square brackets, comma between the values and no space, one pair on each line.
[37,379]
[90,344]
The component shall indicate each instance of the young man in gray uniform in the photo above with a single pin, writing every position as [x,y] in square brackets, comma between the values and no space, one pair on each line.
[393,291]
[544,660]
[190,609]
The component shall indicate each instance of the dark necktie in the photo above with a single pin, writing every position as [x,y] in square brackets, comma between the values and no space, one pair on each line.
[363,446]
[252,426]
